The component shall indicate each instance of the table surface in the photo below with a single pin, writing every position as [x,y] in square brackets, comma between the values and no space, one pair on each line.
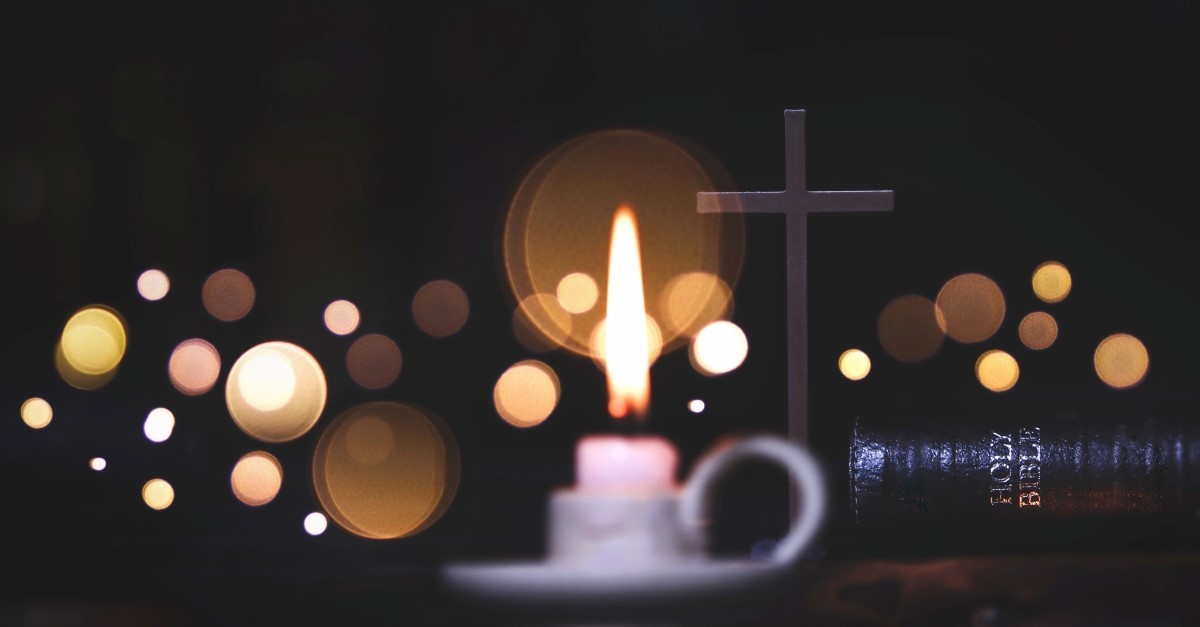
[1158,588]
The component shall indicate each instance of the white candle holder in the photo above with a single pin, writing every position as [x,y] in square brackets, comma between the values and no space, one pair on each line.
[648,547]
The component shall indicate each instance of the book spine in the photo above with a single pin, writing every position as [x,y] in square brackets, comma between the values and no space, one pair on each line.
[1058,467]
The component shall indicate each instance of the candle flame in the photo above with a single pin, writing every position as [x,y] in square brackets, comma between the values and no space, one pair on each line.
[626,345]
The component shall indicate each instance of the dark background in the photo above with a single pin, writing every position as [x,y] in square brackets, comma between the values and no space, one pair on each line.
[359,150]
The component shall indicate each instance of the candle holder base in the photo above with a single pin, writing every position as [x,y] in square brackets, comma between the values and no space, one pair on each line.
[616,551]
[548,585]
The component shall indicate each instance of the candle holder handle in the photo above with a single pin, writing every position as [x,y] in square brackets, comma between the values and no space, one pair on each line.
[800,465]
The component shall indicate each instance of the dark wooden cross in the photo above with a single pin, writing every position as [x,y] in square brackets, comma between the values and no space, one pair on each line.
[795,203]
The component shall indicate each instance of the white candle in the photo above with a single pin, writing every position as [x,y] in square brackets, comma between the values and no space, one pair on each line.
[614,463]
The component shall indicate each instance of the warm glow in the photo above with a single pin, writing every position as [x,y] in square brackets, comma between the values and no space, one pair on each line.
[267,381]
[577,293]
[315,524]
[526,393]
[36,412]
[386,470]
[910,328]
[77,379]
[158,494]
[694,299]
[228,295]
[626,345]
[370,440]
[160,422]
[275,392]
[97,464]
[972,308]
[600,342]
[559,223]
[997,371]
[1051,282]
[719,348]
[540,324]
[194,367]
[93,341]
[153,285]
[341,317]
[1038,330]
[854,364]
[695,406]
[374,361]
[440,308]
[1121,361]
[256,478]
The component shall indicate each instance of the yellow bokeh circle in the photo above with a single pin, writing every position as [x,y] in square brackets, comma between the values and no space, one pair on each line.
[93,340]
[854,364]
[1051,282]
[1121,361]
[36,413]
[997,371]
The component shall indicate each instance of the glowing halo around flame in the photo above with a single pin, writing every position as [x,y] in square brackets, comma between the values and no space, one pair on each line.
[558,227]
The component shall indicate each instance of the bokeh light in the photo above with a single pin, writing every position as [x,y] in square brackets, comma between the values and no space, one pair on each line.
[1051,282]
[228,295]
[97,464]
[695,406]
[1038,330]
[194,367]
[577,293]
[1121,361]
[256,478]
[693,300]
[910,328]
[972,308]
[719,348]
[36,412]
[374,361]
[440,308]
[386,470]
[540,324]
[153,284]
[341,317]
[268,381]
[315,524]
[560,221]
[77,379]
[653,342]
[854,364]
[93,340]
[160,422]
[526,394]
[997,371]
[275,392]
[158,494]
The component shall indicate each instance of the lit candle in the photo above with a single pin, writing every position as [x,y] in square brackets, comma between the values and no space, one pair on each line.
[614,462]
[626,345]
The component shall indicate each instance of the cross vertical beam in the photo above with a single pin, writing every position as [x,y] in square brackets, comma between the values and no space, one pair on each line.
[796,202]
